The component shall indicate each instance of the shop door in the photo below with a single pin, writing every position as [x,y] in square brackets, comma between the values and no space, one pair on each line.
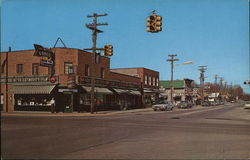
[68,102]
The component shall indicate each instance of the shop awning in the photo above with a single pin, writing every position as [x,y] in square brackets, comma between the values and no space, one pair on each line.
[121,91]
[33,89]
[98,90]
[135,92]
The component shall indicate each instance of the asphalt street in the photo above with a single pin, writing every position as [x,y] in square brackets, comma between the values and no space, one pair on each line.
[215,132]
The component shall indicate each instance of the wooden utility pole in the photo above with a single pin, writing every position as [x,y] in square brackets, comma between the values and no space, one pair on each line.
[93,27]
[172,73]
[202,69]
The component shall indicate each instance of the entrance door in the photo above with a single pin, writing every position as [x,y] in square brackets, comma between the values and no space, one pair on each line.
[64,102]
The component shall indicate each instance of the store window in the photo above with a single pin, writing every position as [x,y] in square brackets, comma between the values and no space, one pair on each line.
[19,68]
[87,71]
[35,68]
[146,80]
[153,81]
[68,68]
[102,72]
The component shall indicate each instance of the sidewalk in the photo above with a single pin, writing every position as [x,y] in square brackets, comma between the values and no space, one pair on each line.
[74,114]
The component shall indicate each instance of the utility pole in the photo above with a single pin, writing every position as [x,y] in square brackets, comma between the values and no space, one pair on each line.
[172,72]
[216,78]
[93,27]
[202,69]
[221,85]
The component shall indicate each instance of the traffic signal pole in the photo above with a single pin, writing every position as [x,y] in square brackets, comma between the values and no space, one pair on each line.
[94,29]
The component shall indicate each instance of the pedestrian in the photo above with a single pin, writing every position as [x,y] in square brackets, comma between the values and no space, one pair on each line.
[52,103]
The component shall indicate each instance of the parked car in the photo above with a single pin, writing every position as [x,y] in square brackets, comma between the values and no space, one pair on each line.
[247,105]
[205,103]
[163,106]
[213,103]
[185,104]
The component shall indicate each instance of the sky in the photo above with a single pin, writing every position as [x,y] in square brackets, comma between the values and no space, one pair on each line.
[212,33]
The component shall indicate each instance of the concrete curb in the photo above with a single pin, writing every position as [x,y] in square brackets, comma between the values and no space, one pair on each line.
[74,114]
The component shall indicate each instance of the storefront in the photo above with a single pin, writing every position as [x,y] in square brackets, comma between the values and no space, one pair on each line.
[127,99]
[102,96]
[33,97]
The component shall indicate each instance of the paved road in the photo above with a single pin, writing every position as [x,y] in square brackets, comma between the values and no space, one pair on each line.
[221,132]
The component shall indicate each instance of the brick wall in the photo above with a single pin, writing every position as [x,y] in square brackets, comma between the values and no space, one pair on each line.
[124,78]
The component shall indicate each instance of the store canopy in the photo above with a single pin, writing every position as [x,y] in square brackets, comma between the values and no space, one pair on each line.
[98,90]
[33,89]
[121,91]
[135,92]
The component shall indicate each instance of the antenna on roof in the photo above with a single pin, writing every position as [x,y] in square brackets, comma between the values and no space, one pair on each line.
[61,42]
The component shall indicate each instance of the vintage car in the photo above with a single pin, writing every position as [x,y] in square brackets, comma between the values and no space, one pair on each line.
[163,106]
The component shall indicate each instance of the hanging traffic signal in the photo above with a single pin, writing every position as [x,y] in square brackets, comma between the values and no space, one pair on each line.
[154,23]
[158,23]
[150,25]
[108,50]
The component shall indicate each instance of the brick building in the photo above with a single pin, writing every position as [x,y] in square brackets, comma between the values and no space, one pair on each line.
[30,86]
[149,82]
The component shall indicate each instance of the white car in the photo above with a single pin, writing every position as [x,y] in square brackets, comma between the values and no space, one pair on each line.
[163,106]
[247,105]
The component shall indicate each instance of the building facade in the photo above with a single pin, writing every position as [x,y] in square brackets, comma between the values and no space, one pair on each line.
[183,90]
[149,82]
[27,84]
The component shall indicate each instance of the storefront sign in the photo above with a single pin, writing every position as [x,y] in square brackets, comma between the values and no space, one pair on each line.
[68,90]
[40,51]
[24,79]
[46,63]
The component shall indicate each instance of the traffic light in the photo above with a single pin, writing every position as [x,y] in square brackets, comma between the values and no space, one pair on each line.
[150,25]
[154,23]
[108,50]
[158,23]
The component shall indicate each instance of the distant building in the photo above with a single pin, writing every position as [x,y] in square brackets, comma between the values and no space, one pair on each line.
[184,90]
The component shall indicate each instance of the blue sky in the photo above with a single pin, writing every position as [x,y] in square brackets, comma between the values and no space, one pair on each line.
[207,32]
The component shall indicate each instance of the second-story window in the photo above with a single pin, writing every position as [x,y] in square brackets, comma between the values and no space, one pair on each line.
[35,68]
[102,72]
[157,82]
[149,80]
[68,67]
[153,81]
[146,80]
[86,70]
[19,68]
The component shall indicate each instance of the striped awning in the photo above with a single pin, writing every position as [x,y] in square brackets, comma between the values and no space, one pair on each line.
[33,89]
[98,90]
